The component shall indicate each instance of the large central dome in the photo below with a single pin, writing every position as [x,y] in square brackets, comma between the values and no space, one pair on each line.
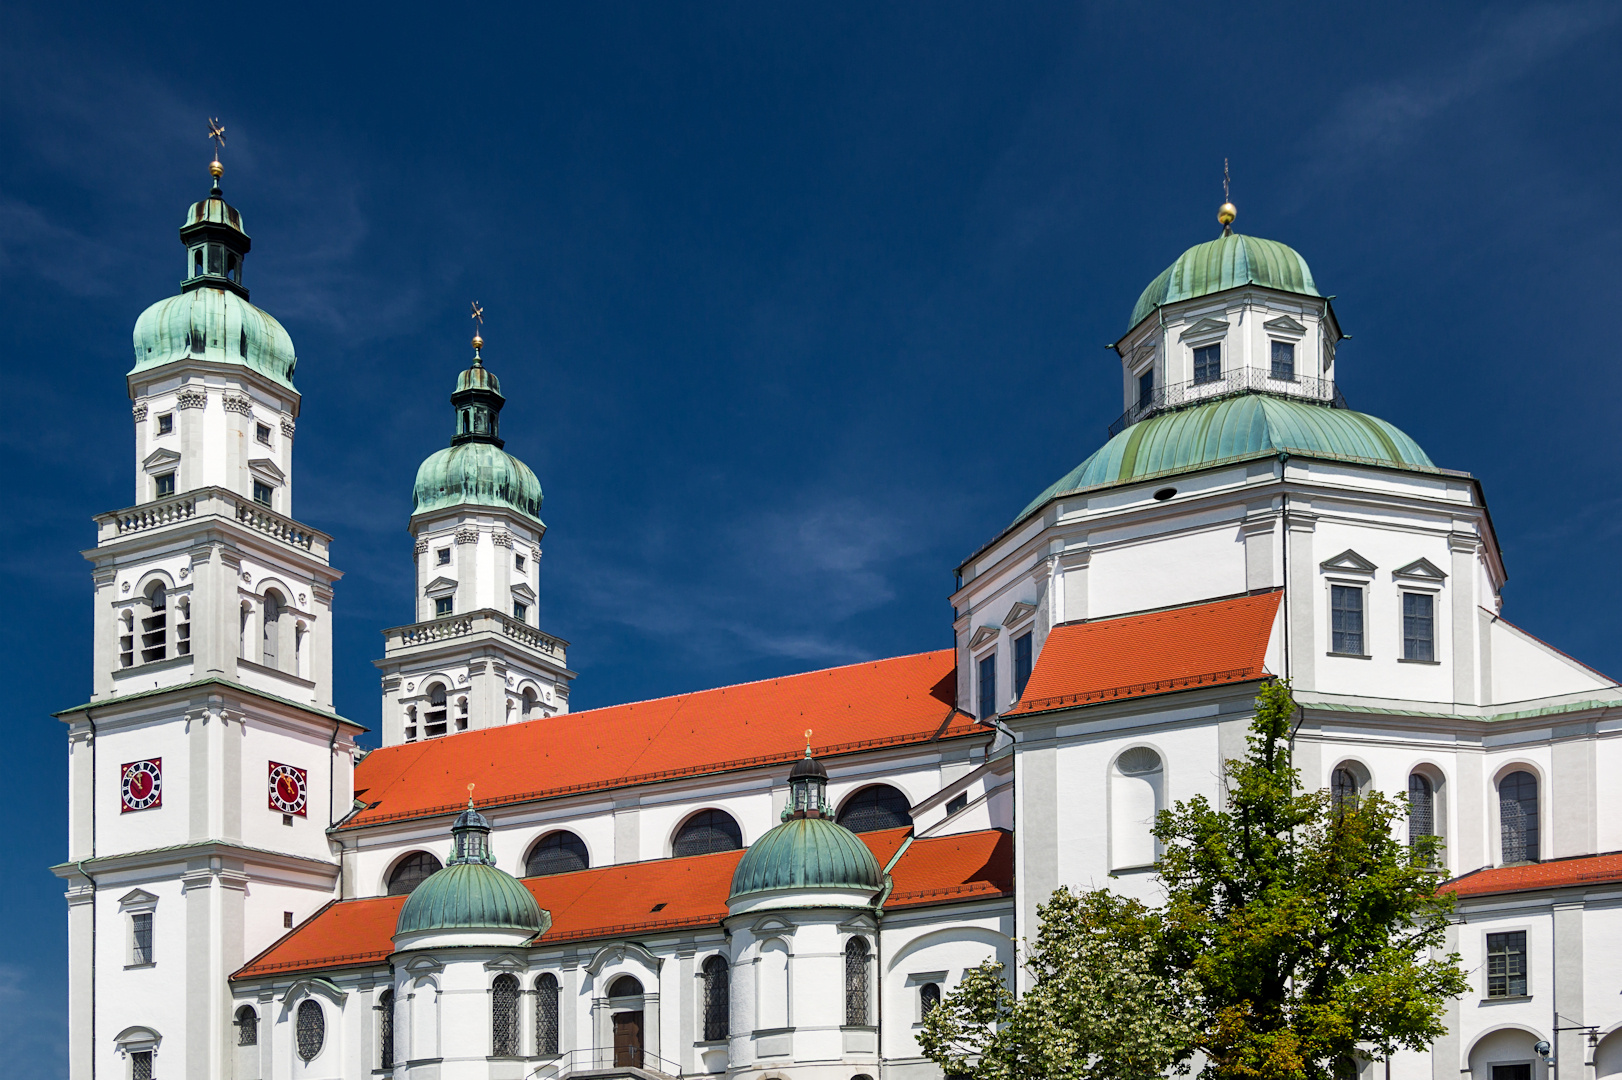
[1225,263]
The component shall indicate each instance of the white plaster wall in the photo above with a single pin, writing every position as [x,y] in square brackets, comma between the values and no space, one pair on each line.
[943,942]
[1524,668]
[1134,577]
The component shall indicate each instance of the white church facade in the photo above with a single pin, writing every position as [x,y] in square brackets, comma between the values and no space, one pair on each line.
[778,879]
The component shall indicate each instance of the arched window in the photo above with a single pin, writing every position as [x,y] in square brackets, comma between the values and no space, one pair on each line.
[717,998]
[546,1014]
[625,986]
[1136,784]
[707,831]
[434,717]
[312,1028]
[411,871]
[1518,817]
[461,713]
[929,996]
[856,1011]
[504,1016]
[273,630]
[247,1026]
[385,1029]
[877,806]
[556,853]
[1343,790]
[155,626]
[532,705]
[1421,808]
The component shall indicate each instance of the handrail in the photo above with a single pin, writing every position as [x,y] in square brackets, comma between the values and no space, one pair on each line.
[603,1059]
[1245,380]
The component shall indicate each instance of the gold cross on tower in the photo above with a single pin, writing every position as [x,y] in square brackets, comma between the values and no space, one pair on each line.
[216,135]
[478,330]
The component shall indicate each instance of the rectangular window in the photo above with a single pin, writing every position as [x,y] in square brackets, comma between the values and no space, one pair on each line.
[1207,364]
[1022,664]
[166,423]
[443,606]
[518,563]
[1346,619]
[1418,626]
[956,803]
[444,556]
[988,687]
[1284,360]
[520,611]
[165,484]
[1506,964]
[141,937]
[1521,1071]
[261,493]
[287,920]
[262,433]
[1146,388]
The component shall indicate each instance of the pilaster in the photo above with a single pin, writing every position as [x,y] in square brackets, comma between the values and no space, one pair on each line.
[1465,551]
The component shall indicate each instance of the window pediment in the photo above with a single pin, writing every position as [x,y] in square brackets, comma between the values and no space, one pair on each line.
[1420,570]
[1206,328]
[159,458]
[524,592]
[137,900]
[983,635]
[1284,325]
[1349,561]
[266,469]
[440,586]
[1018,613]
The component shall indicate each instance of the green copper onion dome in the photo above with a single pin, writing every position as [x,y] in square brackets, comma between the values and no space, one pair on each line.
[470,893]
[1227,262]
[474,470]
[808,850]
[211,319]
[1234,429]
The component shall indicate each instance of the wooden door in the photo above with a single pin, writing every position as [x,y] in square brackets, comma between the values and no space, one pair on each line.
[628,1039]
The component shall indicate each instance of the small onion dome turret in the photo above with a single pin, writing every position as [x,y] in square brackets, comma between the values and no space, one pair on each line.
[1229,261]
[470,893]
[474,470]
[809,850]
[211,319]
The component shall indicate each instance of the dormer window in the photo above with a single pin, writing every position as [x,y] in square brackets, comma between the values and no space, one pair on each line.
[166,423]
[1284,360]
[262,433]
[1207,364]
[164,484]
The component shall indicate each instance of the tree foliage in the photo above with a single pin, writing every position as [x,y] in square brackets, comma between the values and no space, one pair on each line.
[1295,932]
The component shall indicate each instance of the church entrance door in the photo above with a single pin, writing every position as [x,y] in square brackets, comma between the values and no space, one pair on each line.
[628,1039]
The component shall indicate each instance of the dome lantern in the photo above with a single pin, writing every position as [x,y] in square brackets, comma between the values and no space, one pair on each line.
[470,893]
[216,243]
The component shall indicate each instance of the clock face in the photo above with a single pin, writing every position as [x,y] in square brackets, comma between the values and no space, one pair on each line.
[141,785]
[289,792]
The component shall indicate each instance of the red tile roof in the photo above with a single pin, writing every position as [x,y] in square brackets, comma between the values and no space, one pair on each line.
[884,702]
[1153,653]
[1582,870]
[615,901]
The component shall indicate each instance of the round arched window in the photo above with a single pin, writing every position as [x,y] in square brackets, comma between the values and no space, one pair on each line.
[556,853]
[877,806]
[412,871]
[707,831]
[625,986]
[312,1028]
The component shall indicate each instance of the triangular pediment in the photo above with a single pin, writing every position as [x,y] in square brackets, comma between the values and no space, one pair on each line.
[267,468]
[441,586]
[506,962]
[1421,570]
[137,898]
[160,457]
[1349,560]
[524,592]
[983,635]
[1205,326]
[1284,324]
[1018,613]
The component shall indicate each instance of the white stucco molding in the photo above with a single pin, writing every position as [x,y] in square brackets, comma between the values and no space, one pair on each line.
[620,950]
[313,987]
[1018,614]
[1348,562]
[983,635]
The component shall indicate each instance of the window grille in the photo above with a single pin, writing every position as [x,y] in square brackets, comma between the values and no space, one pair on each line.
[557,853]
[1421,808]
[1343,791]
[1346,615]
[1207,364]
[504,1016]
[856,1011]
[878,806]
[1418,626]
[717,998]
[141,1065]
[707,831]
[312,1029]
[247,1026]
[1518,817]
[1022,664]
[929,998]
[1284,360]
[141,937]
[385,1029]
[412,871]
[1506,965]
[546,1014]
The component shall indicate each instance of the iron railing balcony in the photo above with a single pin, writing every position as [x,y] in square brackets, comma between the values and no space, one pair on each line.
[1246,380]
[607,1059]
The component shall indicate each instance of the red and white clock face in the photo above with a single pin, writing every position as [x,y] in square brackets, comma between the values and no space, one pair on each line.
[289,789]
[141,785]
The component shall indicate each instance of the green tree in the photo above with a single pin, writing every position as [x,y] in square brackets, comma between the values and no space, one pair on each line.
[1099,1006]
[1295,933]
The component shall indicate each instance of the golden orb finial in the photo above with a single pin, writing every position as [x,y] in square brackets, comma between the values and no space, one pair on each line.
[1226,213]
[216,135]
[478,336]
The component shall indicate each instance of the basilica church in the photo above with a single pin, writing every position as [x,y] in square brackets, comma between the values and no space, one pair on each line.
[780,879]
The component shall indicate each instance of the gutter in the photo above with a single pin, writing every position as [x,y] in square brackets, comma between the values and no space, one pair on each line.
[80,867]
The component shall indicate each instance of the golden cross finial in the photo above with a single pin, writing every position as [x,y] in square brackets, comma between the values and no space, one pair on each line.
[216,135]
[478,330]
[1224,179]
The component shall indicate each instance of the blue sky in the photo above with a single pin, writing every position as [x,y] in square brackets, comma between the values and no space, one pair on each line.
[794,306]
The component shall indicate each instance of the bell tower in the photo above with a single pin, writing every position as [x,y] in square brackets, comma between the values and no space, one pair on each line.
[207,764]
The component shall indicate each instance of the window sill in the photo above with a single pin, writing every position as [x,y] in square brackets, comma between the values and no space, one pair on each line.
[857,1027]
[137,967]
[768,1032]
[711,1044]
[1431,663]
[1349,655]
[1505,1000]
